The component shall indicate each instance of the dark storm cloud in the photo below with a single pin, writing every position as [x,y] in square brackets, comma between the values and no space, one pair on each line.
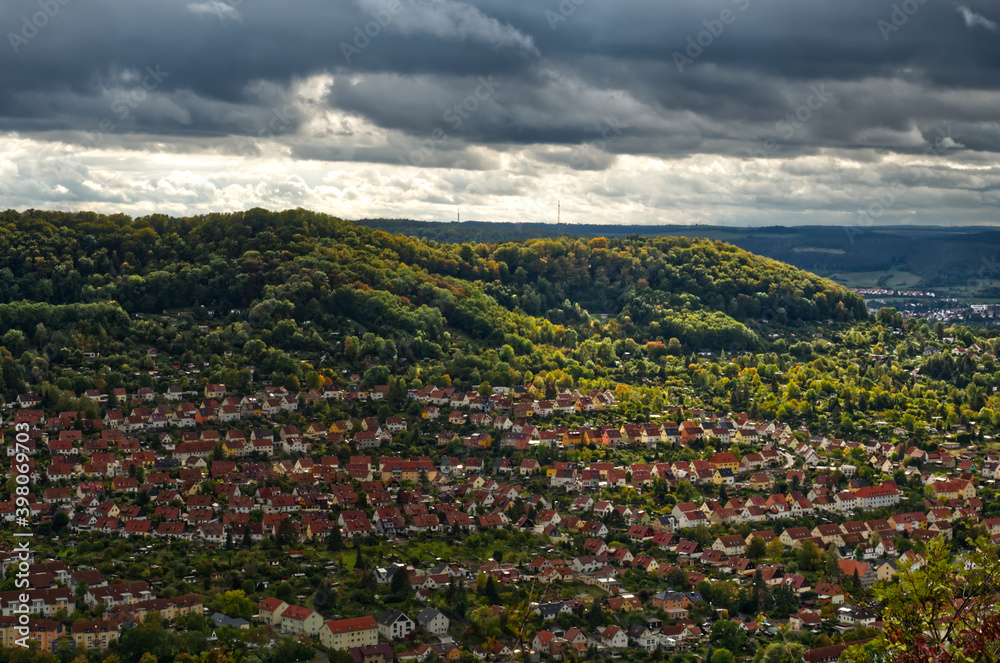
[761,105]
[688,75]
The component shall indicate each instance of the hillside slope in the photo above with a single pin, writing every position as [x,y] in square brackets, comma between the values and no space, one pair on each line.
[955,260]
[301,282]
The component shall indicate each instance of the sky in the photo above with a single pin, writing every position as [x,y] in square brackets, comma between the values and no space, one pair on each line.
[722,112]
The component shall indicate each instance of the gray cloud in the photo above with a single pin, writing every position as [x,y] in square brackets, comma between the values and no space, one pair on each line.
[222,10]
[452,20]
[268,85]
[973,19]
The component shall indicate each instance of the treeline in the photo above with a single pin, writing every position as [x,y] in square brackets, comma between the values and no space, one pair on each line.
[156,262]
[298,298]
[292,293]
[944,257]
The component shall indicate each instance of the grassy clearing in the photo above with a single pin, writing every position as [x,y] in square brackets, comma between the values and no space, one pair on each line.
[895,278]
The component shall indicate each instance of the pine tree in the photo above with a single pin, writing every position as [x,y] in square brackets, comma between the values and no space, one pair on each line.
[490,591]
[335,540]
[368,582]
[286,534]
[324,597]
[400,585]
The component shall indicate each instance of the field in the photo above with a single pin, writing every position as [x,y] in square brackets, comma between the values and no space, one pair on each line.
[895,279]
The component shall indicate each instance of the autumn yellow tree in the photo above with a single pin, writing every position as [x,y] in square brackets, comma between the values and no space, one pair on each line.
[943,610]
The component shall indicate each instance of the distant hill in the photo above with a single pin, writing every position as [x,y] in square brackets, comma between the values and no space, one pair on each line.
[952,259]
[323,274]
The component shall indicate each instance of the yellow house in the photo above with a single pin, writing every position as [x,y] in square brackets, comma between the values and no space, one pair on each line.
[234,448]
[94,635]
[725,476]
[760,481]
[726,460]
[955,489]
[269,611]
[299,620]
[886,570]
[632,604]
[215,391]
[167,608]
[572,437]
[45,632]
[347,633]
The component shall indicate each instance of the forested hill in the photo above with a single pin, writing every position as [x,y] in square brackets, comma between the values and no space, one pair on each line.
[936,258]
[297,276]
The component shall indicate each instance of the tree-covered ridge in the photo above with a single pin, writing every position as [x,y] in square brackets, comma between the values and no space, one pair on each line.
[282,292]
[319,264]
[292,291]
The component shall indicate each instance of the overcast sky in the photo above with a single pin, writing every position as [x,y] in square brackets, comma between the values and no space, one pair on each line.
[627,111]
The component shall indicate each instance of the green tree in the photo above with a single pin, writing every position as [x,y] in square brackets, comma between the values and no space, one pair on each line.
[782,601]
[376,375]
[486,624]
[945,610]
[809,556]
[490,591]
[595,616]
[235,604]
[284,591]
[335,540]
[81,596]
[831,562]
[287,534]
[775,550]
[59,521]
[780,652]
[678,578]
[324,597]
[727,634]
[757,548]
[148,636]
[722,655]
[400,585]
